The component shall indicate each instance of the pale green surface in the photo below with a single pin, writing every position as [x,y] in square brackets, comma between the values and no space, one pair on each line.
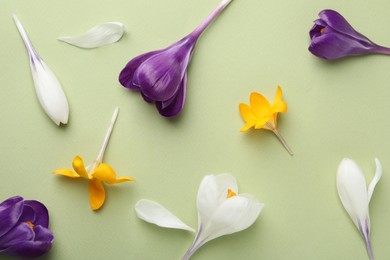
[336,109]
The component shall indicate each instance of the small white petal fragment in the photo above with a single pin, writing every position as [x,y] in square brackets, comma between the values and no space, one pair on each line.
[155,213]
[100,35]
[47,86]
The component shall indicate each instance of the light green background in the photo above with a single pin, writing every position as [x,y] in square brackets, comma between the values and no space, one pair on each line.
[335,110]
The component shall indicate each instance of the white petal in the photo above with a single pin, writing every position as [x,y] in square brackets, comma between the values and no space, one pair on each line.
[233,215]
[212,192]
[47,87]
[155,213]
[98,36]
[352,189]
[375,180]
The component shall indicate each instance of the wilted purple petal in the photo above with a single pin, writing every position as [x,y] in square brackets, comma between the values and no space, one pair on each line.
[19,233]
[159,77]
[10,211]
[33,248]
[41,214]
[177,104]
[127,73]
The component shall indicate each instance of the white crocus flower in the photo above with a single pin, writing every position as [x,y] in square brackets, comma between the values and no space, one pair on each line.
[100,35]
[47,87]
[221,211]
[355,197]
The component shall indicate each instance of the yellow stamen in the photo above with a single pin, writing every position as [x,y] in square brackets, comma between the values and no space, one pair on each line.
[30,224]
[322,30]
[230,194]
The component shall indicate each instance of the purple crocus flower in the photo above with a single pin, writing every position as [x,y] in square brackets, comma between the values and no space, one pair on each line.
[332,37]
[24,228]
[161,76]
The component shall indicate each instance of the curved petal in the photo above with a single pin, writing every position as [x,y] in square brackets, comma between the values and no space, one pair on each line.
[340,24]
[235,214]
[33,248]
[247,114]
[99,35]
[212,192]
[127,73]
[78,166]
[107,174]
[10,212]
[279,95]
[41,214]
[332,45]
[97,194]
[160,76]
[260,105]
[173,106]
[155,213]
[316,30]
[352,189]
[67,173]
[375,180]
[19,233]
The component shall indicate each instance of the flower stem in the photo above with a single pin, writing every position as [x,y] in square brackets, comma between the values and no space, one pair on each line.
[281,139]
[99,158]
[382,50]
[198,31]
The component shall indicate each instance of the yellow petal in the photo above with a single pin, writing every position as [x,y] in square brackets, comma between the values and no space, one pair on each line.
[67,173]
[107,174]
[278,96]
[246,113]
[261,123]
[97,194]
[279,107]
[260,106]
[246,127]
[78,166]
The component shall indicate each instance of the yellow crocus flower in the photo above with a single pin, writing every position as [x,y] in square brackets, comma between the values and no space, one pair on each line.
[261,114]
[96,173]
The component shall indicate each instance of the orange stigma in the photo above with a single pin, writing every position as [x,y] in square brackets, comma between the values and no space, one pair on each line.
[30,224]
[230,194]
[322,30]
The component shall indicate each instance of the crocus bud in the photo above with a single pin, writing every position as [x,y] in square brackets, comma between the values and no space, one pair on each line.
[161,76]
[332,37]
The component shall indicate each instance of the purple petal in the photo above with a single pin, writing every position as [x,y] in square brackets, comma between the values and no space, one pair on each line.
[10,211]
[177,104]
[19,233]
[41,214]
[33,248]
[127,73]
[340,24]
[332,45]
[149,100]
[316,30]
[159,77]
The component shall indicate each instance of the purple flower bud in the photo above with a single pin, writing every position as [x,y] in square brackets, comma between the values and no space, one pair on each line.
[332,37]
[24,228]
[161,76]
